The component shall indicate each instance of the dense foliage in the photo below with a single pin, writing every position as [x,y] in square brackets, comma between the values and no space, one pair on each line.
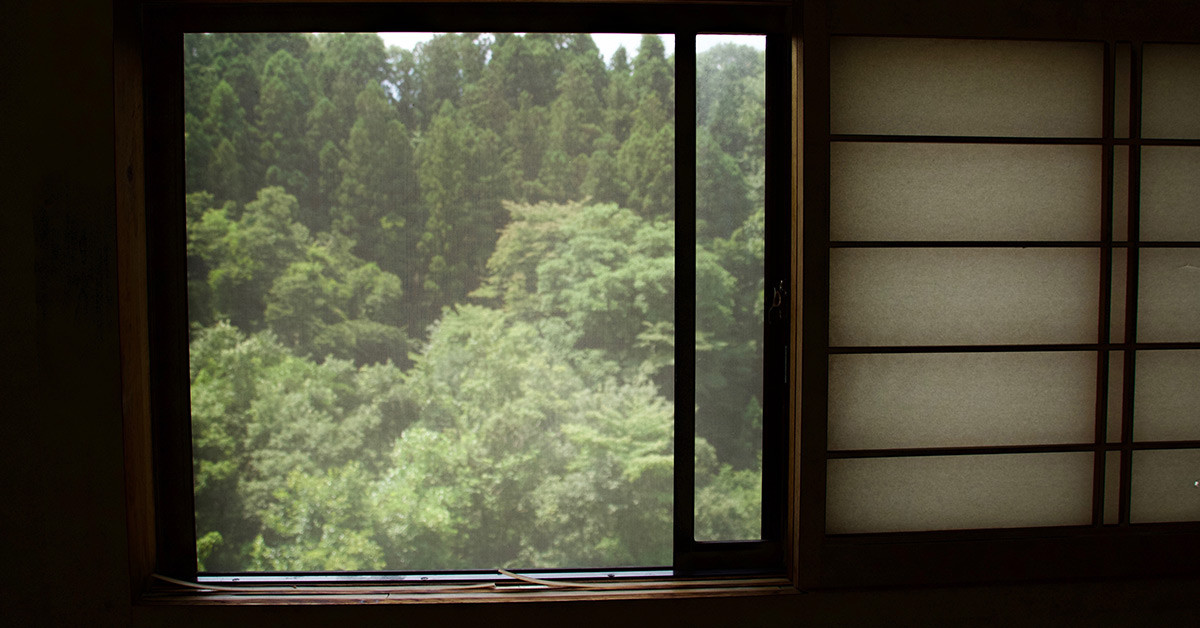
[431,295]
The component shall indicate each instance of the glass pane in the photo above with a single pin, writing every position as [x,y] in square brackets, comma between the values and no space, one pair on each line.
[1170,202]
[1168,295]
[958,492]
[1167,396]
[431,289]
[896,191]
[900,86]
[1112,487]
[1166,486]
[899,296]
[1170,91]
[889,401]
[730,158]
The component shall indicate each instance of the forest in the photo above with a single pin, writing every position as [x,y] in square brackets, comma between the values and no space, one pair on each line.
[431,300]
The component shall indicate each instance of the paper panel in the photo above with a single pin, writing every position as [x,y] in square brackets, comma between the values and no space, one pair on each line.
[1166,401]
[1170,193]
[1169,295]
[1166,486]
[1170,91]
[958,492]
[903,86]
[886,191]
[952,296]
[885,401]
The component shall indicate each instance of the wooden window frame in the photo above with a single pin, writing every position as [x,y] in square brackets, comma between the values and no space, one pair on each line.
[153,300]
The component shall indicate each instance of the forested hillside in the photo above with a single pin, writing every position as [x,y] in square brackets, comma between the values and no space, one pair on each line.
[432,300]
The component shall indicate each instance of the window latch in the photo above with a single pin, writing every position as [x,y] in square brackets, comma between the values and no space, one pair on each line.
[775,313]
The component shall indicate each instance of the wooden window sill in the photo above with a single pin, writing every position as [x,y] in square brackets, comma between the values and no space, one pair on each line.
[169,593]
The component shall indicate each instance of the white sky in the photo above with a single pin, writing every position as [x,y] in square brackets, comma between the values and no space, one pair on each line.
[606,42]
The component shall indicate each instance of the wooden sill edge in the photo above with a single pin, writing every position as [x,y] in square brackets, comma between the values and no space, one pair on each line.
[163,594]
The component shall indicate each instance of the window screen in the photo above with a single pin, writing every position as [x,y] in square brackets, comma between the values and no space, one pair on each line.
[432,291]
[432,300]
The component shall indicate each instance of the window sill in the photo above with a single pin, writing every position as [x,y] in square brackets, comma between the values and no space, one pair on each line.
[162,592]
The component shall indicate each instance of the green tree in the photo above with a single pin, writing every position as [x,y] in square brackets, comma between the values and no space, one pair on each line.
[423,502]
[246,255]
[444,66]
[722,199]
[231,164]
[561,177]
[322,146]
[198,150]
[730,99]
[606,273]
[613,502]
[225,372]
[535,431]
[526,140]
[378,196]
[528,63]
[201,238]
[334,304]
[462,181]
[619,97]
[576,117]
[319,522]
[238,71]
[729,361]
[200,75]
[581,49]
[646,160]
[725,75]
[651,73]
[403,81]
[603,182]
[728,501]
[496,393]
[526,455]
[344,65]
[282,111]
[270,430]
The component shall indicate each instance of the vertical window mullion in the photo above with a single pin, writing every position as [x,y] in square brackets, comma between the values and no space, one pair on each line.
[776,332]
[685,300]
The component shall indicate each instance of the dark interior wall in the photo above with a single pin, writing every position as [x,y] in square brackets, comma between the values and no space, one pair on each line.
[62,519]
[63,535]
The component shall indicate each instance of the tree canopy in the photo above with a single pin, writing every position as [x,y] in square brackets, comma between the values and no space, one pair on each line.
[431,295]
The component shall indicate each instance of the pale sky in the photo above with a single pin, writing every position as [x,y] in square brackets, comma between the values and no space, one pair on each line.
[606,42]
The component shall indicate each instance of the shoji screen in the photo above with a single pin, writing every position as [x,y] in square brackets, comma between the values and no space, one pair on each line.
[1163,436]
[1014,305]
[973,287]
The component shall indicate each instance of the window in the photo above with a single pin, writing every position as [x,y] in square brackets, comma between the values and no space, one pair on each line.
[992,218]
[424,319]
